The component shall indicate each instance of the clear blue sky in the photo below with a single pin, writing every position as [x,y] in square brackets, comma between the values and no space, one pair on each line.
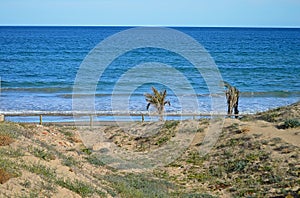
[254,13]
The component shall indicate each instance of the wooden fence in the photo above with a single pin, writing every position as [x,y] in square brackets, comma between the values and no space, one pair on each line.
[91,115]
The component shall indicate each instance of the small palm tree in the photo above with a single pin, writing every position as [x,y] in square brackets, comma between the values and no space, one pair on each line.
[158,100]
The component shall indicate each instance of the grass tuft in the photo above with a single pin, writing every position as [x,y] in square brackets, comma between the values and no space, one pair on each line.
[70,161]
[79,187]
[42,154]
[4,176]
[92,159]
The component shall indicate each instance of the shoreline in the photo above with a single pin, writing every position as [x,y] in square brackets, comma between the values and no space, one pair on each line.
[247,105]
[67,117]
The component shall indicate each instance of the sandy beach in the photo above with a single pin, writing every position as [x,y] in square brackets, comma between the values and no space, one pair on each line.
[256,156]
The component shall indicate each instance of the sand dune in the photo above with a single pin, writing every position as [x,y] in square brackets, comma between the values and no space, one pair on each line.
[253,156]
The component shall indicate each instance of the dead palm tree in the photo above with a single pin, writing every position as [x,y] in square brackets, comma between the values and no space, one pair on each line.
[158,100]
[232,96]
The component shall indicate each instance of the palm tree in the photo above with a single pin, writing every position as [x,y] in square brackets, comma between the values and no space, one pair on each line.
[158,100]
[232,96]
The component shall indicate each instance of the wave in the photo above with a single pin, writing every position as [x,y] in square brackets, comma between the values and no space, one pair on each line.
[242,94]
[283,94]
[37,89]
[68,93]
[98,113]
[125,94]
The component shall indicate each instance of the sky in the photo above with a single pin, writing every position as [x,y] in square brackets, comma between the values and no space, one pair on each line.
[200,13]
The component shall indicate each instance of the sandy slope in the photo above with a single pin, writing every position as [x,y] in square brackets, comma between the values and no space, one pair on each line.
[250,154]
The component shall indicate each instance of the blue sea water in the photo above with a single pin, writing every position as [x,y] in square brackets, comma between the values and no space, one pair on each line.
[38,66]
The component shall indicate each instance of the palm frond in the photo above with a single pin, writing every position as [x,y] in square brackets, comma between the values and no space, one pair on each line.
[148,105]
[156,93]
[226,84]
[167,102]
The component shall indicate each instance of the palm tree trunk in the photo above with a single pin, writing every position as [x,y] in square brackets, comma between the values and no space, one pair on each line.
[160,112]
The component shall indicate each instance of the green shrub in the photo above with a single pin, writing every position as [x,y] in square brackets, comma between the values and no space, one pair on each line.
[79,187]
[92,159]
[87,151]
[14,130]
[70,161]
[42,154]
[138,185]
[291,123]
[170,124]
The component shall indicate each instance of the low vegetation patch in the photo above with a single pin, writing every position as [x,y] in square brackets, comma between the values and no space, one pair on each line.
[140,186]
[8,169]
[94,160]
[160,135]
[14,130]
[240,164]
[4,176]
[280,114]
[42,153]
[5,140]
[290,123]
[79,187]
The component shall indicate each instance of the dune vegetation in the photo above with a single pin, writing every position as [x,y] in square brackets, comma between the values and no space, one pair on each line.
[255,156]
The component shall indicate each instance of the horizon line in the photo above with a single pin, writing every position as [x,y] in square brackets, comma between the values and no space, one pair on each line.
[82,25]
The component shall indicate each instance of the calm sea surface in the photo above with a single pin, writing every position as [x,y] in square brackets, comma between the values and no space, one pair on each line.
[38,66]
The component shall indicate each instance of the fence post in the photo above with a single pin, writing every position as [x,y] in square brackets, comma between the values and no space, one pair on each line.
[41,120]
[2,118]
[143,118]
[91,121]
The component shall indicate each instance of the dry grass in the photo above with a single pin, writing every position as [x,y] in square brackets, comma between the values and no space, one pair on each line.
[4,176]
[245,129]
[5,140]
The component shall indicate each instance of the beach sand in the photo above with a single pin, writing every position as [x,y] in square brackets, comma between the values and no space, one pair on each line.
[257,155]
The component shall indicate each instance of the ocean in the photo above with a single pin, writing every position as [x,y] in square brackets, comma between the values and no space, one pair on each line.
[38,67]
